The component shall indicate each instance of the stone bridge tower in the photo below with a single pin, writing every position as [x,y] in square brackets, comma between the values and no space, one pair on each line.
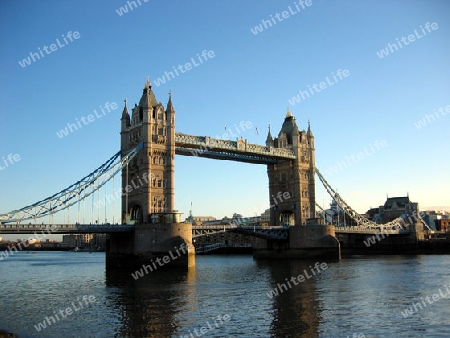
[148,181]
[295,177]
[148,191]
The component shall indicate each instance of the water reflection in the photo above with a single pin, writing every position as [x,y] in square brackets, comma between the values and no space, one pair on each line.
[147,307]
[158,304]
[363,295]
[294,297]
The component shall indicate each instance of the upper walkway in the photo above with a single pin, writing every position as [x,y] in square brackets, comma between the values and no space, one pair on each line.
[240,150]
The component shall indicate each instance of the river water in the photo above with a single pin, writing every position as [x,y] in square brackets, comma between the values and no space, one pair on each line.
[226,296]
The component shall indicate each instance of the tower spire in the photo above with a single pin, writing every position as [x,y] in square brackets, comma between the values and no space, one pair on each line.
[169,103]
[288,113]
[269,139]
[125,114]
[148,98]
[310,134]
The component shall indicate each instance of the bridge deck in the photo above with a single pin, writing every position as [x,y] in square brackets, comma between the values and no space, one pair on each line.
[64,228]
[369,231]
[196,229]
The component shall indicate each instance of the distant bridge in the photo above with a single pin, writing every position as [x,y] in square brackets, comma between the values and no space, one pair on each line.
[216,246]
[370,231]
[268,232]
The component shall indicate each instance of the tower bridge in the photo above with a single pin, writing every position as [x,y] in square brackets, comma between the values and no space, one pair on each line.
[150,224]
[290,160]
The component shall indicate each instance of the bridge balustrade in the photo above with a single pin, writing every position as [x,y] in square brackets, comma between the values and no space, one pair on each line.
[370,230]
[209,142]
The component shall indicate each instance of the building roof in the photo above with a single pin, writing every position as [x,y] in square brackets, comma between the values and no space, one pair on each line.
[169,103]
[269,136]
[125,114]
[289,127]
[401,202]
[310,134]
[148,98]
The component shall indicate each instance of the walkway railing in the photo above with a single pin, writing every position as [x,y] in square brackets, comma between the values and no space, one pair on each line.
[64,228]
[216,246]
[207,146]
[370,230]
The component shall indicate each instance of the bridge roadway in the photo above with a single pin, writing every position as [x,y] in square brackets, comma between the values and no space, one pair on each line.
[278,232]
[64,228]
[266,232]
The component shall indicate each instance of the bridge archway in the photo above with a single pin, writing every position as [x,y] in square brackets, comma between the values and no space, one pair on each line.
[287,218]
[136,213]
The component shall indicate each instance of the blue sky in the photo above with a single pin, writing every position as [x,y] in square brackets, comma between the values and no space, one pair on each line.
[252,77]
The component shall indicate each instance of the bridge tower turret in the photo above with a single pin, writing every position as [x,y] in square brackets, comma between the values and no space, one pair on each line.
[291,182]
[311,172]
[269,140]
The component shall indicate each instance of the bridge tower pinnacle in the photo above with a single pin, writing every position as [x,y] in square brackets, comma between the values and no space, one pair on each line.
[148,181]
[293,178]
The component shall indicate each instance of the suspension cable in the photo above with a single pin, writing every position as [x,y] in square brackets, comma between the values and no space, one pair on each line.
[360,220]
[67,197]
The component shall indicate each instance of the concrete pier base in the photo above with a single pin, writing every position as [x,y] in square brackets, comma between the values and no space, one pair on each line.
[306,242]
[157,245]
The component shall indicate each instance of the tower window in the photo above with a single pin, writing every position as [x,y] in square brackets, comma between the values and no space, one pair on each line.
[141,114]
